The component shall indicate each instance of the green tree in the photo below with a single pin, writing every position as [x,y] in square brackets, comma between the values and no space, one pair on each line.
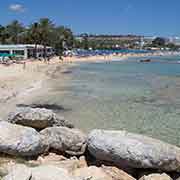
[46,28]
[159,42]
[68,38]
[85,41]
[14,30]
[57,40]
[34,36]
[42,32]
[62,39]
[172,46]
[3,34]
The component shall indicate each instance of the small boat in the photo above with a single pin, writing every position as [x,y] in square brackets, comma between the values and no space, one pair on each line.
[145,60]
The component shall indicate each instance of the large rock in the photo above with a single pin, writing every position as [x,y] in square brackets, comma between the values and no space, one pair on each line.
[19,140]
[92,173]
[65,140]
[49,172]
[38,118]
[133,150]
[116,174]
[60,161]
[19,172]
[156,177]
[46,172]
[102,173]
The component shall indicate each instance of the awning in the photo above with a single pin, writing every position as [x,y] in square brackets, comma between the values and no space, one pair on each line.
[7,55]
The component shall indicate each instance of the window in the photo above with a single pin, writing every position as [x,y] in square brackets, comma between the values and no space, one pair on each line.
[4,52]
[19,52]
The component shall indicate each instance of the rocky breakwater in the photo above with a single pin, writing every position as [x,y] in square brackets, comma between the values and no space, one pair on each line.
[19,136]
[38,118]
[19,140]
[65,140]
[36,132]
[133,150]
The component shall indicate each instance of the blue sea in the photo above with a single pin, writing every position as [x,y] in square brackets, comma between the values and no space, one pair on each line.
[124,95]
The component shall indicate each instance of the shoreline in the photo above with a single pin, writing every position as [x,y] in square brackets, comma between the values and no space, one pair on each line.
[19,84]
[116,57]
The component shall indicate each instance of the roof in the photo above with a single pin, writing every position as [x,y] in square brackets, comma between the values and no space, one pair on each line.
[20,46]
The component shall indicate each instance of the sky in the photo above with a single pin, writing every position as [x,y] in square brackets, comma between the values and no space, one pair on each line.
[141,17]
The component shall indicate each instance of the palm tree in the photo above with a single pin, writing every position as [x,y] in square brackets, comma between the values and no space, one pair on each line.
[45,29]
[34,36]
[61,39]
[3,34]
[14,29]
[42,32]
[69,38]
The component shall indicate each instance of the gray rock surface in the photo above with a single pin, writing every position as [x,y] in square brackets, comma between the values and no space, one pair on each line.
[116,174]
[49,172]
[45,172]
[19,172]
[133,150]
[92,173]
[101,173]
[38,118]
[156,177]
[66,140]
[19,140]
[60,161]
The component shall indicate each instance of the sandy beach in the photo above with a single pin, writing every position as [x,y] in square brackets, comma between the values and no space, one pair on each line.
[21,84]
[114,57]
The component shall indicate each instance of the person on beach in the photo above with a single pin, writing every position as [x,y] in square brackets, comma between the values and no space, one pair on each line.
[48,59]
[61,58]
[24,65]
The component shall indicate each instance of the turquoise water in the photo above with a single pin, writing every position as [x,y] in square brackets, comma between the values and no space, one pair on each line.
[138,97]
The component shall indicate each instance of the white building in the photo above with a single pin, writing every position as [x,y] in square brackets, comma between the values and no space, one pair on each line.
[147,39]
[175,40]
[25,51]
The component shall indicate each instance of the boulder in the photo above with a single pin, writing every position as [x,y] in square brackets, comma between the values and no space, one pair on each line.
[82,162]
[156,177]
[7,163]
[51,157]
[49,172]
[19,140]
[133,150]
[38,118]
[102,173]
[60,161]
[116,174]
[92,173]
[65,140]
[45,172]
[18,172]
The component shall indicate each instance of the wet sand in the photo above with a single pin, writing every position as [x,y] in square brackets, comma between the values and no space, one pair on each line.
[19,85]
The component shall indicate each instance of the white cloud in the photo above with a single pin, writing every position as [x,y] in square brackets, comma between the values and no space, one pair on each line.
[17,7]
